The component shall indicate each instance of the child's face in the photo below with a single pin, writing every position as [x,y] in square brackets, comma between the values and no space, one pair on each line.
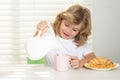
[68,31]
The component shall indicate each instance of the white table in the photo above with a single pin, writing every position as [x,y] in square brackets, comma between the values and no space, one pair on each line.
[45,72]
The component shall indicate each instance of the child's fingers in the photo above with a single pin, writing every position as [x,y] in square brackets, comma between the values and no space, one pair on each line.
[41,25]
[74,57]
[74,65]
[74,62]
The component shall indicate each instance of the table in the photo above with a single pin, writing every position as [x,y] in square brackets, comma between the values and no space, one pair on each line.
[46,72]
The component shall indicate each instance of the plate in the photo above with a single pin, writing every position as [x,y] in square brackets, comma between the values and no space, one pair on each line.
[116,66]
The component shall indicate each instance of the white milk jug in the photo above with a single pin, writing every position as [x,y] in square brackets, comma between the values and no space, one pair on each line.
[37,47]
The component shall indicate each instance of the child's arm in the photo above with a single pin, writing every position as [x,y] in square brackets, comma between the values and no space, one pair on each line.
[87,58]
[76,63]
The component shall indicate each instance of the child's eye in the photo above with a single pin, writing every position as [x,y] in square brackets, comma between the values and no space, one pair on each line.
[75,30]
[67,25]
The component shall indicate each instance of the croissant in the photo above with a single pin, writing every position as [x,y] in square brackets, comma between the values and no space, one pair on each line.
[100,62]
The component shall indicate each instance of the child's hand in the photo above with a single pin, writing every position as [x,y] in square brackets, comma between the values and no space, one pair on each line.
[42,26]
[74,62]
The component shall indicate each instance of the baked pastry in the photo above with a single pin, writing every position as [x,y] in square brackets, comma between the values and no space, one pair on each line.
[100,62]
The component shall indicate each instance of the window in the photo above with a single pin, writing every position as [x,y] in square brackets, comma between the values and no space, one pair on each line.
[18,20]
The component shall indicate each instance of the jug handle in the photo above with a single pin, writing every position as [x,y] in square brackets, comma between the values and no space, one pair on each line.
[49,24]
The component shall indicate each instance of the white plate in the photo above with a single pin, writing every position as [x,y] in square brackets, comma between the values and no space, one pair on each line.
[116,66]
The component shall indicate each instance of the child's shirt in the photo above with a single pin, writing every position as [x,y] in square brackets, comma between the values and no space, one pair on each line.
[67,46]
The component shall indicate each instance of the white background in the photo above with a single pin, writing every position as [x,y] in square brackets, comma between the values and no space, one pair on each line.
[106,28]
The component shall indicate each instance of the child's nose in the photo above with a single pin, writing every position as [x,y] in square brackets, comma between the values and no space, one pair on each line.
[69,30]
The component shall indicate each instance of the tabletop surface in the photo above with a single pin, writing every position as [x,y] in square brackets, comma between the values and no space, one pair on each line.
[46,72]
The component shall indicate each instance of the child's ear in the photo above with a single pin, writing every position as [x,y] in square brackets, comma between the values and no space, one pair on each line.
[35,34]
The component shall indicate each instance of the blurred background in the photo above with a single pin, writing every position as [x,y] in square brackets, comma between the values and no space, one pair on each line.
[18,20]
[106,17]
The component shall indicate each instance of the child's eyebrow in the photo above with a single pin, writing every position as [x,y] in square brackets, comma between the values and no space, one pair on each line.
[77,28]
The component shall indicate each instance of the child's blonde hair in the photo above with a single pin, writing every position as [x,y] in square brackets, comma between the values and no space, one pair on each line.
[75,14]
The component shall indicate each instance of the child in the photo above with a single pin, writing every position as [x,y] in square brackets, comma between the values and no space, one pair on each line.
[72,28]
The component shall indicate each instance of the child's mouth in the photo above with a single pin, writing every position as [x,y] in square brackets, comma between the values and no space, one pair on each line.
[66,34]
